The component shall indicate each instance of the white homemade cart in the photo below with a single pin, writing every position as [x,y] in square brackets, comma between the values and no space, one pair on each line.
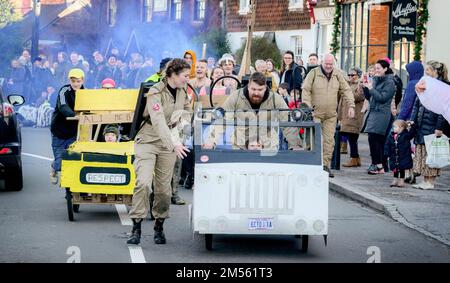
[246,192]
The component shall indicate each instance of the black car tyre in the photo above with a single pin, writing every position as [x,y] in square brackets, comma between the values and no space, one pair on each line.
[69,204]
[14,179]
[208,241]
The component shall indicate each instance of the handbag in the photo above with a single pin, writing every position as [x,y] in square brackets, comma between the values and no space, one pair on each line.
[438,151]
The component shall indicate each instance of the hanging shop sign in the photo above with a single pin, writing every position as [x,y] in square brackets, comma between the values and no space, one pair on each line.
[404,20]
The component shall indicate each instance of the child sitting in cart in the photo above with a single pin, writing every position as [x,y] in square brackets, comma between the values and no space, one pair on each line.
[253,143]
[111,133]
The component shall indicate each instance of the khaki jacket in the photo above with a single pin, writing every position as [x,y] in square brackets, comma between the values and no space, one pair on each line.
[166,116]
[268,135]
[324,95]
[352,125]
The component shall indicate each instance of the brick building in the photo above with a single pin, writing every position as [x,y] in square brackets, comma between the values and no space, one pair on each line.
[132,25]
[288,22]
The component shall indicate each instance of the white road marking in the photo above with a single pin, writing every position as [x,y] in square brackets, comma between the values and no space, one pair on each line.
[37,156]
[123,215]
[137,255]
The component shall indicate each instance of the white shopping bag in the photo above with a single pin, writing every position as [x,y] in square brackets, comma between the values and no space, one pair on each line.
[438,151]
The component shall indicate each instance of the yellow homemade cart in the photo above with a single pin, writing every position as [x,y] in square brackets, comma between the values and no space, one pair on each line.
[95,172]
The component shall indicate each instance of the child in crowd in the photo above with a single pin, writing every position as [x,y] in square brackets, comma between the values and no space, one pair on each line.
[398,149]
[283,91]
[254,144]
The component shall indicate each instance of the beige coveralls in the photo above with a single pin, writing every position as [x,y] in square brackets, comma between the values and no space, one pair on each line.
[324,95]
[269,137]
[154,150]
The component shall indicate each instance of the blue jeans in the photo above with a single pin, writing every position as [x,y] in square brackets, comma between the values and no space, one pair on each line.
[58,146]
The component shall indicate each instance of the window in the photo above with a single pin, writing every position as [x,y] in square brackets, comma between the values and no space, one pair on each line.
[175,14]
[355,19]
[147,11]
[297,42]
[160,5]
[112,12]
[244,7]
[200,8]
[295,4]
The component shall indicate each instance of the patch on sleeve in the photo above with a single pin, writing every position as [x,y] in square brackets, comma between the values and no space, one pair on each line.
[156,107]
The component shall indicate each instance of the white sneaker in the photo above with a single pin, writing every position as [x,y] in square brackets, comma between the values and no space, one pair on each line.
[418,185]
[54,177]
[426,186]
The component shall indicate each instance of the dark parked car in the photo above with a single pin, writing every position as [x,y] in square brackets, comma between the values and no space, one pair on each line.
[10,143]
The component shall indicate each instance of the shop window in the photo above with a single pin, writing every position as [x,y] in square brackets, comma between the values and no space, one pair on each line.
[402,55]
[364,44]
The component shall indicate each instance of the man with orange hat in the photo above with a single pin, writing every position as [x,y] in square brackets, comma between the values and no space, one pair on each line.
[64,132]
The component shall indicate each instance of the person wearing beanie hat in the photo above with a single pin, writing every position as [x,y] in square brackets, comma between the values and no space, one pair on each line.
[111,133]
[108,83]
[64,132]
[156,77]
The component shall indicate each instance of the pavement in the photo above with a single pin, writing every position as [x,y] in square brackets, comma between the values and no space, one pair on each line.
[426,211]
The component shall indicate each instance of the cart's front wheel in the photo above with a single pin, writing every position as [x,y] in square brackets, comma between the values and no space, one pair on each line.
[70,208]
[208,241]
[304,241]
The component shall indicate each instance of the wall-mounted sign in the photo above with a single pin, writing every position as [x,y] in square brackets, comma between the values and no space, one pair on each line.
[404,20]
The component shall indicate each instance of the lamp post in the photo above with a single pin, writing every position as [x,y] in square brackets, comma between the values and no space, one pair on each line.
[35,32]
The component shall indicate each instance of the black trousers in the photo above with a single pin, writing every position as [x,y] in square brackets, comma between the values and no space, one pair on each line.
[353,142]
[376,144]
[399,174]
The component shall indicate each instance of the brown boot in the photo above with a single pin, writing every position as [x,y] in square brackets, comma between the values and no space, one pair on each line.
[352,162]
[344,147]
[401,183]
[394,183]
[358,160]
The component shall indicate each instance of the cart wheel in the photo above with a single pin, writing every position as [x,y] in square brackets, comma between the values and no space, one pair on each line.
[70,207]
[304,243]
[208,241]
[76,208]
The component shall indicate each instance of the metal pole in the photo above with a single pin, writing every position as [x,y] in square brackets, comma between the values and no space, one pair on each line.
[35,32]
[336,160]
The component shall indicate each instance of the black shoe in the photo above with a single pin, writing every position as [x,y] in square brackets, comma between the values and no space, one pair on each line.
[176,199]
[331,175]
[181,182]
[159,237]
[135,237]
[189,183]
